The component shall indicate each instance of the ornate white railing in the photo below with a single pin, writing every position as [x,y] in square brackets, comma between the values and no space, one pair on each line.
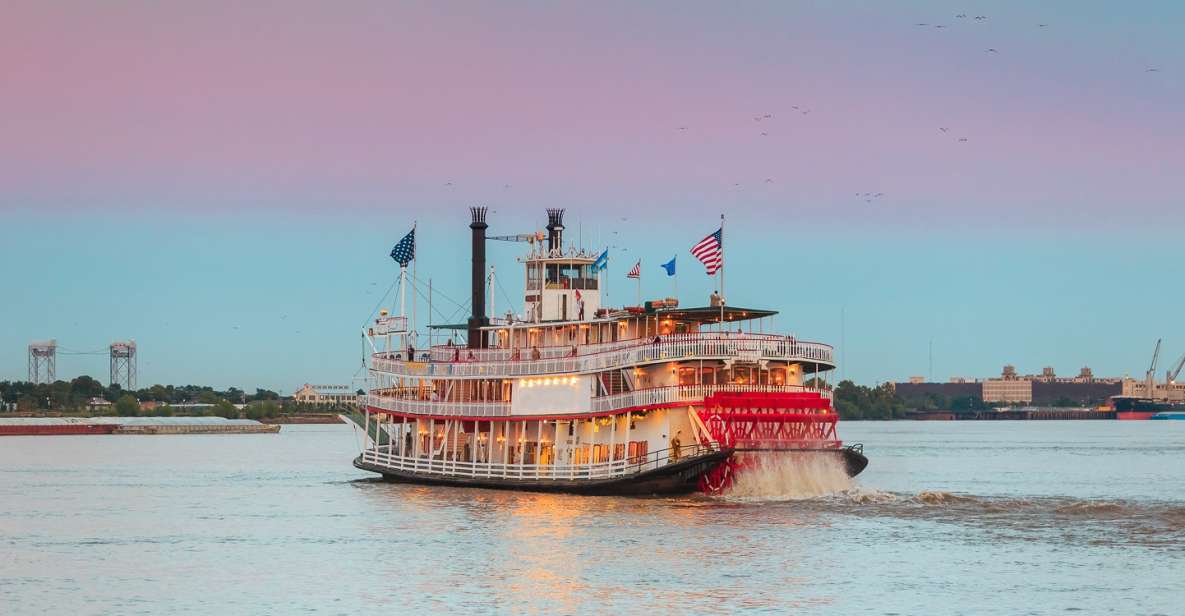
[676,347]
[441,465]
[602,404]
[686,393]
[434,407]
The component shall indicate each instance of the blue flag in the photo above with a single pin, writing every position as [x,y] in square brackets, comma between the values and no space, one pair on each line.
[405,250]
[602,262]
[669,266]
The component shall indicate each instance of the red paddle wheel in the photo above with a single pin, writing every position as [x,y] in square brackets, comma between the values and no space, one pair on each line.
[765,421]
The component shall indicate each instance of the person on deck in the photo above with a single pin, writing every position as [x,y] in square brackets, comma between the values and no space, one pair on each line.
[676,447]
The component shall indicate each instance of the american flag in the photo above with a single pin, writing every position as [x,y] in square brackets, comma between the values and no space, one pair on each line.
[636,272]
[710,251]
[405,250]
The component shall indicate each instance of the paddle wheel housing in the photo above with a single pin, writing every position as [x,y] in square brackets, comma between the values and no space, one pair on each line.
[765,421]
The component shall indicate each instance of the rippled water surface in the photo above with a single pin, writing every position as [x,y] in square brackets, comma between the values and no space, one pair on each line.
[949,518]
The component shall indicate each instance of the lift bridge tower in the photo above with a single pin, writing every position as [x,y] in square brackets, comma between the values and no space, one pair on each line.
[43,359]
[123,364]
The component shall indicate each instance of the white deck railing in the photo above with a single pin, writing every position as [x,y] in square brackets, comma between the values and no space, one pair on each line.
[687,393]
[436,407]
[675,347]
[603,404]
[383,457]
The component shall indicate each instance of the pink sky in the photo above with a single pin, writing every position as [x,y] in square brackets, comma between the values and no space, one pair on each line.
[308,106]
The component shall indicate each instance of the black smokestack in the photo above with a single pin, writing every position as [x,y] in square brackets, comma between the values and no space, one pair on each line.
[555,230]
[478,318]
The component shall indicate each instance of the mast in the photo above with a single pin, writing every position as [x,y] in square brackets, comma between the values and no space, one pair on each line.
[723,301]
[414,302]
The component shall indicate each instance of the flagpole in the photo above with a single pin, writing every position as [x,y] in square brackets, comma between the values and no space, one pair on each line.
[402,290]
[722,296]
[676,279]
[414,269]
[639,282]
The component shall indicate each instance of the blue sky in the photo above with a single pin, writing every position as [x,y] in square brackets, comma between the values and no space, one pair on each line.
[275,303]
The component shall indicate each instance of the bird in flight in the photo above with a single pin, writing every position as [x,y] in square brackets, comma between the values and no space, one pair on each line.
[1042,25]
[940,26]
[980,17]
[961,16]
[1152,70]
[764,134]
[962,140]
[943,129]
[769,181]
[992,51]
[921,24]
[682,128]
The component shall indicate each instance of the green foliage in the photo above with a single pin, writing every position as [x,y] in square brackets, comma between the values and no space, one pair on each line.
[859,402]
[262,410]
[127,406]
[225,409]
[263,394]
[163,410]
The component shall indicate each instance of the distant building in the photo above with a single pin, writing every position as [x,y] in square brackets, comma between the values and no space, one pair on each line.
[1008,390]
[1161,391]
[1041,389]
[326,395]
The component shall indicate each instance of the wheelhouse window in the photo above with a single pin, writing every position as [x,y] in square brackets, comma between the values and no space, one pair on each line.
[570,276]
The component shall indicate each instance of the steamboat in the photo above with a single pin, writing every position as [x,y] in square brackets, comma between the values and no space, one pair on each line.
[573,396]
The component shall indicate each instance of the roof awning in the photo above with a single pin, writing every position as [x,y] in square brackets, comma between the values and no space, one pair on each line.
[711,314]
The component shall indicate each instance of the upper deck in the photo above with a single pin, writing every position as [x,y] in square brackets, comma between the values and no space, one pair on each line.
[458,362]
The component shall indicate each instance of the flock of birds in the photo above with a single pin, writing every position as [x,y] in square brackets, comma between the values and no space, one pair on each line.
[765,120]
[984,19]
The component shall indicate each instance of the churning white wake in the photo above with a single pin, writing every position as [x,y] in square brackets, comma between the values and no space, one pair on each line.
[789,476]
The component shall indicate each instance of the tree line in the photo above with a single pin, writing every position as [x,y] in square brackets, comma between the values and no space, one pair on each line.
[75,396]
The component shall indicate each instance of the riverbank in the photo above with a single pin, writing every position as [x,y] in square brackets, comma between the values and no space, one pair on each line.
[71,426]
[307,418]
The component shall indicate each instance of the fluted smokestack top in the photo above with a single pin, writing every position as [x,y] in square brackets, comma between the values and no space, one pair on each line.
[555,229]
[479,216]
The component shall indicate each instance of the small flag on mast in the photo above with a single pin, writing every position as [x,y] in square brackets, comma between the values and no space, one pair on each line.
[602,262]
[669,266]
[636,271]
[405,250]
[710,252]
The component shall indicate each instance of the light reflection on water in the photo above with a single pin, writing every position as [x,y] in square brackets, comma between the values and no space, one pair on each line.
[968,517]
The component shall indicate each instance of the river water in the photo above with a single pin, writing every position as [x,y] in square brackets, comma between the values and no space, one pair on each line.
[949,518]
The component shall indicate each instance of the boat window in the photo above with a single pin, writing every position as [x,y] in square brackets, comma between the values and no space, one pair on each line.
[570,276]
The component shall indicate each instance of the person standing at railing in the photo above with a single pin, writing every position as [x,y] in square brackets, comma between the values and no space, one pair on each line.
[535,352]
[676,447]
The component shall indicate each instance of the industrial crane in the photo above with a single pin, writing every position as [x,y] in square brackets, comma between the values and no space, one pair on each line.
[530,238]
[1170,377]
[1150,378]
[538,236]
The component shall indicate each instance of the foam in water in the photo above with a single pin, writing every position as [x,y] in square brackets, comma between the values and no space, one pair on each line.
[789,476]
